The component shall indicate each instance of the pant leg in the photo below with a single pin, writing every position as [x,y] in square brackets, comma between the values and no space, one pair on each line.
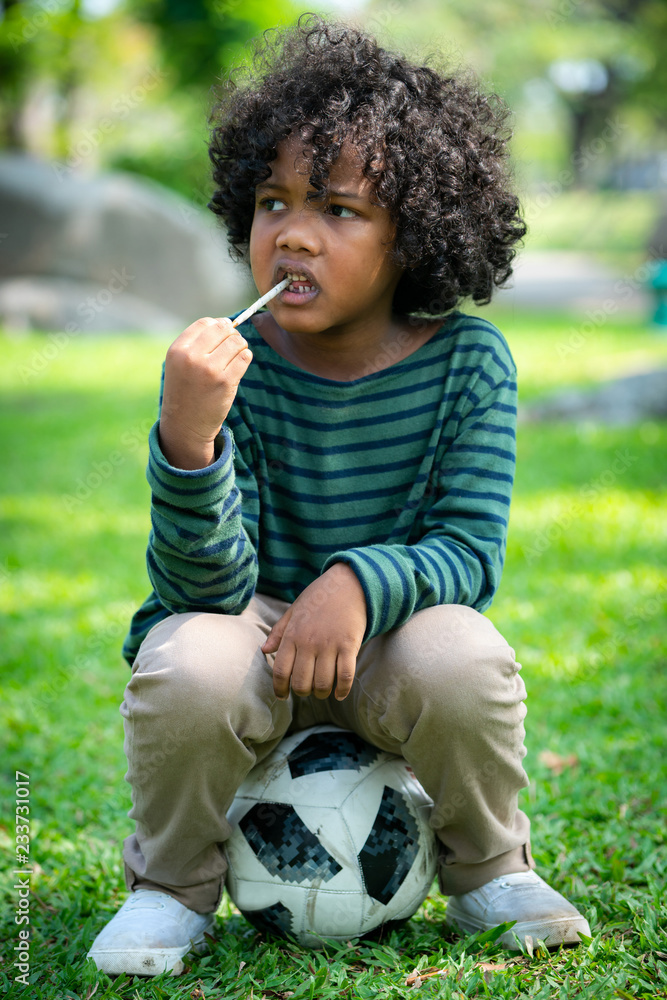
[444,691]
[199,712]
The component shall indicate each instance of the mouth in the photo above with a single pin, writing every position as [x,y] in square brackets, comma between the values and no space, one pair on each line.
[302,281]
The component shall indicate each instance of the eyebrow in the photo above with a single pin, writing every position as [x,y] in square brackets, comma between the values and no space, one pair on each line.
[346,194]
[275,186]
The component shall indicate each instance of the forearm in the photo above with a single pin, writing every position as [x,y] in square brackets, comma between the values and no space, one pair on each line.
[189,454]
[398,580]
[193,582]
[199,552]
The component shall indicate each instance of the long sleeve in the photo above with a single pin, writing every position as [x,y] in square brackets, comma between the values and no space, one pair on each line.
[459,557]
[200,555]
[405,474]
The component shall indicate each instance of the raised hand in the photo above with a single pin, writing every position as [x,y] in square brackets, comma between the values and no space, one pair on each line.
[203,368]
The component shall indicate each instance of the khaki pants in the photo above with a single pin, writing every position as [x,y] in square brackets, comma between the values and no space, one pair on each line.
[443,691]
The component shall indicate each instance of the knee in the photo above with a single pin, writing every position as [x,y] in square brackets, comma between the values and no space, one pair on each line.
[451,662]
[197,664]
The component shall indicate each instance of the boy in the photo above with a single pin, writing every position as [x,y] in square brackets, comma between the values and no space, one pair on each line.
[331,486]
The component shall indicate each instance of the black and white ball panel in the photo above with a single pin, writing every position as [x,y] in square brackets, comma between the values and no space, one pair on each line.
[391,847]
[285,846]
[331,751]
[331,838]
[276,919]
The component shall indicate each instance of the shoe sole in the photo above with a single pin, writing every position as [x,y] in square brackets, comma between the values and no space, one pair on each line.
[564,930]
[146,963]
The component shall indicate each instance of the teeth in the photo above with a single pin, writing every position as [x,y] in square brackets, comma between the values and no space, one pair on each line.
[293,276]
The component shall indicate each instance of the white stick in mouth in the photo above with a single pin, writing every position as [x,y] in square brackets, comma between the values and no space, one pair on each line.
[247,313]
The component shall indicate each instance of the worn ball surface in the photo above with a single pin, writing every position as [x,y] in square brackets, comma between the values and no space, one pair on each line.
[331,839]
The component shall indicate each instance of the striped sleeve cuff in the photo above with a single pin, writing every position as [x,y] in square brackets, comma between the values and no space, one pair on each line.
[190,489]
[389,587]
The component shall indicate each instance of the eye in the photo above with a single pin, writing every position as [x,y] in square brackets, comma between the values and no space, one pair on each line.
[271,204]
[339,210]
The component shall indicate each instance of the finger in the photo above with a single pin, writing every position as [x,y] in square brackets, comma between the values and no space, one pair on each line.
[303,672]
[271,643]
[229,340]
[346,666]
[274,637]
[325,673]
[282,670]
[228,358]
[219,348]
[206,333]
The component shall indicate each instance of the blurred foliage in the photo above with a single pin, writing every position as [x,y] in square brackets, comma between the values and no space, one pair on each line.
[126,88]
[127,84]
[594,221]
[513,45]
[199,37]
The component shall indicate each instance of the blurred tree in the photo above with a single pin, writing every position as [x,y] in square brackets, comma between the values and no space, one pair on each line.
[121,83]
[629,73]
[585,62]
[198,37]
[58,66]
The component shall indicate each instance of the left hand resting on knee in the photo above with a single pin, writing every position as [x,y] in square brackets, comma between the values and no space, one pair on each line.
[319,636]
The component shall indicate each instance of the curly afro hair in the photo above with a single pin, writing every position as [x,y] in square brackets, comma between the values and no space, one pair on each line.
[433,145]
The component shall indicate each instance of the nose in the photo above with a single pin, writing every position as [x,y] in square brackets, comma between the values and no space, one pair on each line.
[300,231]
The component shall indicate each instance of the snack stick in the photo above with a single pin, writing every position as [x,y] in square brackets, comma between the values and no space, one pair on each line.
[247,313]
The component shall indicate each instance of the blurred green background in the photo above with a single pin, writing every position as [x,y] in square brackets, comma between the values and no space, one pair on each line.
[584,77]
[102,86]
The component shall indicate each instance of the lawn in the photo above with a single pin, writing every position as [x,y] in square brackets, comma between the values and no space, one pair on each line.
[582,601]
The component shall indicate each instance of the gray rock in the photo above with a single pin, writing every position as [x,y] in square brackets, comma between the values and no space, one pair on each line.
[626,400]
[574,281]
[44,303]
[171,254]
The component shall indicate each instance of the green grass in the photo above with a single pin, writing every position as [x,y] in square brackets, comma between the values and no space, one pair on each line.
[582,601]
[601,222]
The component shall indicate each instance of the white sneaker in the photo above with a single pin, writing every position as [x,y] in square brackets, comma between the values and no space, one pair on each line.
[150,934]
[540,912]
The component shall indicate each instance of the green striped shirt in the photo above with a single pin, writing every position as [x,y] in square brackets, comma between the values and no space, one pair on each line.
[405,474]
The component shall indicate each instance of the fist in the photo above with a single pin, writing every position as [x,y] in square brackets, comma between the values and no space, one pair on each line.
[202,372]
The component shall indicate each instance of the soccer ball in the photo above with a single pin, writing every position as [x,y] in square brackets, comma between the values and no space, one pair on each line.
[331,839]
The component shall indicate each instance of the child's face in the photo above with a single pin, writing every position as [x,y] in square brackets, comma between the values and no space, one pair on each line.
[341,247]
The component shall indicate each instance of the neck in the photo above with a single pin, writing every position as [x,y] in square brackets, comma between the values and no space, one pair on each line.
[351,355]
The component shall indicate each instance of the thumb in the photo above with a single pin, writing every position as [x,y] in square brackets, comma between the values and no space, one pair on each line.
[274,637]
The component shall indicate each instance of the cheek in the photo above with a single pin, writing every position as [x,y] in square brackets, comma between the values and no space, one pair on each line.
[257,242]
